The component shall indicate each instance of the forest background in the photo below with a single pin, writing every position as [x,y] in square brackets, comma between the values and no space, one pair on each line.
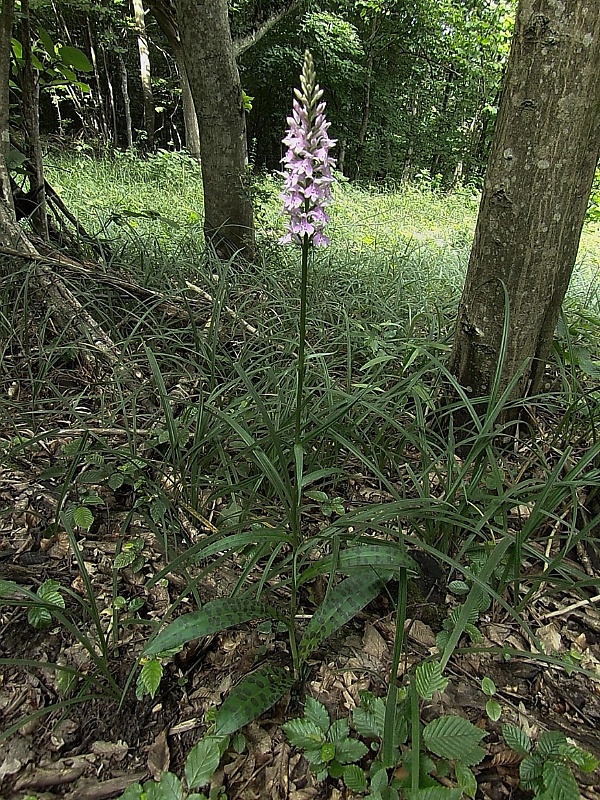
[166,446]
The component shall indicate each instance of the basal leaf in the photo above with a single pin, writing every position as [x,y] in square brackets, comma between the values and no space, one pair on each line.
[343,603]
[202,762]
[451,737]
[385,556]
[252,697]
[212,618]
[303,733]
[429,679]
[316,713]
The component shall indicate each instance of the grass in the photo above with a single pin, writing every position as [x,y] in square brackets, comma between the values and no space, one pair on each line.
[206,425]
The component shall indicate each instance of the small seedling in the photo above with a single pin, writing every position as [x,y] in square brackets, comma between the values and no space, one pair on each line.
[492,707]
[546,768]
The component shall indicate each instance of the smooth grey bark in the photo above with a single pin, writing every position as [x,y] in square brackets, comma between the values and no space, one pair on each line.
[145,71]
[217,93]
[126,102]
[536,190]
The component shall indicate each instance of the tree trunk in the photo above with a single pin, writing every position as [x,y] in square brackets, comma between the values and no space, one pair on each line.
[534,201]
[126,103]
[7,211]
[190,118]
[145,73]
[30,98]
[217,92]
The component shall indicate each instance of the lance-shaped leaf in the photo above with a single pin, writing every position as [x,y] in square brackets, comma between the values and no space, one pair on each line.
[212,618]
[385,556]
[344,602]
[252,697]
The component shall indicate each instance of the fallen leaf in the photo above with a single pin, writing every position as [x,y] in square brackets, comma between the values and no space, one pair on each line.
[159,756]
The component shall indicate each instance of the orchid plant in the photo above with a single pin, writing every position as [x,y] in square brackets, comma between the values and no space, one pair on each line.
[307,193]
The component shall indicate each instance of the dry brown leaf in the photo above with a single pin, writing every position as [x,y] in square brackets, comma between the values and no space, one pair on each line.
[419,632]
[106,750]
[506,758]
[159,756]
[374,644]
[550,639]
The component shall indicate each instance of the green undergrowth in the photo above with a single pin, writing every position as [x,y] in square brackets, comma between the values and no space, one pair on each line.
[196,426]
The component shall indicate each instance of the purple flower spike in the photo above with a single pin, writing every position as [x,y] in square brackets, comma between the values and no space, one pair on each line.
[307,163]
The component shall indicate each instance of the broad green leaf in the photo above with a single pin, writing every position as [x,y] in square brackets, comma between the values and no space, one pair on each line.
[303,733]
[493,709]
[125,559]
[49,592]
[530,772]
[212,618]
[339,731]
[429,679]
[581,758]
[551,744]
[47,42]
[355,778]
[488,686]
[83,518]
[474,756]
[451,737]
[65,681]
[252,697]
[75,58]
[459,587]
[196,796]
[385,556]
[559,782]
[170,787]
[343,603]
[328,751]
[350,750]
[465,779]
[434,793]
[516,738]
[39,617]
[316,713]
[202,762]
[133,792]
[367,724]
[150,677]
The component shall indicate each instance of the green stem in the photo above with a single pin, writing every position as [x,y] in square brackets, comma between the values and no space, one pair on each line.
[415,738]
[389,726]
[302,339]
[296,521]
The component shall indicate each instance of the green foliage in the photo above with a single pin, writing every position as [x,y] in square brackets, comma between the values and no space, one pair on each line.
[50,593]
[328,748]
[545,768]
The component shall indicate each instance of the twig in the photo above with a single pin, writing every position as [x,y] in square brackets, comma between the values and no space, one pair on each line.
[572,607]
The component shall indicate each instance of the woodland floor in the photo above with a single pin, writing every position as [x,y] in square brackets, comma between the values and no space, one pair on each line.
[94,750]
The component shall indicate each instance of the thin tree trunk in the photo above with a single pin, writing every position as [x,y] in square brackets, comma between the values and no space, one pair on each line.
[164,14]
[217,92]
[535,196]
[100,103]
[7,210]
[111,97]
[145,73]
[30,94]
[126,102]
